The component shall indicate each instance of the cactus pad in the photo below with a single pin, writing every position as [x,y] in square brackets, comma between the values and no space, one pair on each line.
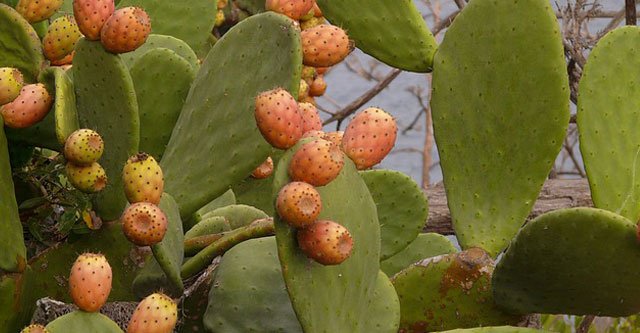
[572,261]
[393,32]
[20,47]
[607,113]
[402,208]
[162,41]
[497,329]
[107,103]
[251,6]
[162,80]
[384,307]
[170,251]
[514,122]
[216,133]
[423,247]
[226,199]
[80,321]
[333,298]
[212,225]
[449,291]
[237,215]
[152,278]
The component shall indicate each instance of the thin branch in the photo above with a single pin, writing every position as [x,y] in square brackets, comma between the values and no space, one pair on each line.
[585,324]
[630,10]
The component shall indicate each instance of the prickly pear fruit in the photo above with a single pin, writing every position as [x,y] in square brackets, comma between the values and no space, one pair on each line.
[309,99]
[317,12]
[222,4]
[90,281]
[157,313]
[143,179]
[324,45]
[263,170]
[335,137]
[317,162]
[312,22]
[144,224]
[303,90]
[37,10]
[125,30]
[31,106]
[314,134]
[326,242]
[88,179]
[298,204]
[11,81]
[278,118]
[295,9]
[91,16]
[66,61]
[318,86]
[308,74]
[61,38]
[369,137]
[310,118]
[83,147]
[35,328]
[322,70]
[219,18]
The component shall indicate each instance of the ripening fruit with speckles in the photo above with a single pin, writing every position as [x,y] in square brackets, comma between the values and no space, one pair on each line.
[310,117]
[318,87]
[144,224]
[303,89]
[11,81]
[325,45]
[126,30]
[61,38]
[143,179]
[90,281]
[369,138]
[157,313]
[326,242]
[88,179]
[30,107]
[298,204]
[83,147]
[34,328]
[91,15]
[314,134]
[317,162]
[278,118]
[295,9]
[335,137]
[37,10]
[263,170]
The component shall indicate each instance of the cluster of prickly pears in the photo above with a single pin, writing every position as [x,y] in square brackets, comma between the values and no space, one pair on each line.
[82,150]
[21,105]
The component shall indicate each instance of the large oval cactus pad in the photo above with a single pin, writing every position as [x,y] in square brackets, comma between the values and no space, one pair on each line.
[332,298]
[500,111]
[574,261]
[155,41]
[423,247]
[20,46]
[393,32]
[216,134]
[170,251]
[80,321]
[608,111]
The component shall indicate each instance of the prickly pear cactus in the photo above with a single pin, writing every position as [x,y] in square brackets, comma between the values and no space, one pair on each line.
[393,32]
[169,253]
[155,41]
[107,103]
[607,111]
[80,321]
[571,261]
[497,329]
[20,47]
[216,133]
[237,215]
[211,225]
[423,247]
[514,120]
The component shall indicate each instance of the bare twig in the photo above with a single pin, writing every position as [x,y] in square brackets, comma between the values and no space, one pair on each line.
[630,12]
[585,324]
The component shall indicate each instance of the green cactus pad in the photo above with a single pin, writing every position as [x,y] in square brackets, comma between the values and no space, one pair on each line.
[162,79]
[41,134]
[16,297]
[333,298]
[216,133]
[225,199]
[191,23]
[80,321]
[402,208]
[237,215]
[393,32]
[251,6]
[449,291]
[170,251]
[423,247]
[607,114]
[107,103]
[384,307]
[257,192]
[212,225]
[497,329]
[248,293]
[162,41]
[13,252]
[573,261]
[20,46]
[152,278]
[514,121]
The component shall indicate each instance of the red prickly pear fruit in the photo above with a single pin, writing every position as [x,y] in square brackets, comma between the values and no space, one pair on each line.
[30,107]
[37,10]
[91,16]
[88,179]
[295,9]
[298,204]
[278,118]
[61,38]
[263,170]
[143,179]
[90,281]
[83,147]
[324,45]
[144,224]
[314,134]
[222,4]
[317,162]
[126,30]
[310,117]
[66,61]
[34,328]
[157,313]
[326,242]
[335,137]
[321,70]
[11,82]
[318,86]
[369,137]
